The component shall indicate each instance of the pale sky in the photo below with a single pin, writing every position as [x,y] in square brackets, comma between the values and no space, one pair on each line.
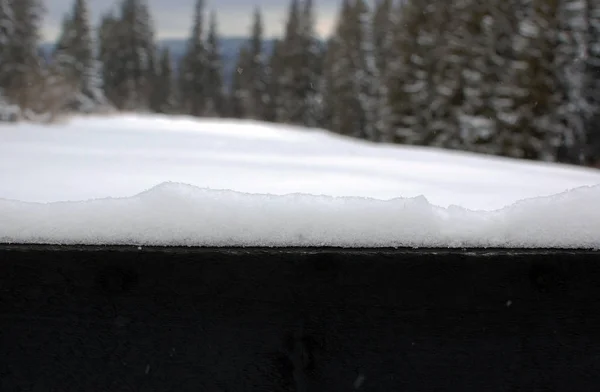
[173,18]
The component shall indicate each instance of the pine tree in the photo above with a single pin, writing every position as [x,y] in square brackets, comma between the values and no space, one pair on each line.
[214,106]
[354,96]
[530,126]
[237,97]
[194,67]
[592,77]
[139,54]
[343,106]
[25,65]
[164,92]
[382,27]
[253,78]
[127,52]
[327,85]
[440,77]
[76,61]
[8,112]
[274,108]
[7,30]
[572,50]
[367,74]
[300,63]
[311,69]
[112,58]
[469,79]
[382,32]
[498,68]
[409,83]
[290,53]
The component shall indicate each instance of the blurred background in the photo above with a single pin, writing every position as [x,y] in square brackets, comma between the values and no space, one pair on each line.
[515,78]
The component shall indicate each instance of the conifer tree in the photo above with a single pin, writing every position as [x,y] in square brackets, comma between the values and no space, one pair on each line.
[311,68]
[354,83]
[328,86]
[290,53]
[341,95]
[530,127]
[127,52]
[253,78]
[7,30]
[464,89]
[111,54]
[273,110]
[367,74]
[214,106]
[443,83]
[382,27]
[413,44]
[25,67]
[164,92]
[75,59]
[572,49]
[139,54]
[194,67]
[382,34]
[237,93]
[7,111]
[592,81]
[300,63]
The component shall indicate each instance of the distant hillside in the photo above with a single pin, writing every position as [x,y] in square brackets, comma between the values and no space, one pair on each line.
[229,50]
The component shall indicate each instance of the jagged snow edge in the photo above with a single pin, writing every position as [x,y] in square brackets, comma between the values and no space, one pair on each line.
[176,214]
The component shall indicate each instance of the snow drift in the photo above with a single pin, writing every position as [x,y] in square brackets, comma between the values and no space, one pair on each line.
[177,214]
[74,183]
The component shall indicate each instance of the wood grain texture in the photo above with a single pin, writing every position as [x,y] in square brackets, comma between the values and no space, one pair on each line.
[112,319]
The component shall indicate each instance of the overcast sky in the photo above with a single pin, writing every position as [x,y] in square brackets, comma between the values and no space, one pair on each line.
[173,17]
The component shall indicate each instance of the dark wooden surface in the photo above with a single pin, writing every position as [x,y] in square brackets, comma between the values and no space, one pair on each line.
[104,319]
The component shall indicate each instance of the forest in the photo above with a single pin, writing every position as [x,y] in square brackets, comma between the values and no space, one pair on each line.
[514,78]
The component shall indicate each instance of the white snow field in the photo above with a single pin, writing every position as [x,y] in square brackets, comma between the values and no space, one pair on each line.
[156,180]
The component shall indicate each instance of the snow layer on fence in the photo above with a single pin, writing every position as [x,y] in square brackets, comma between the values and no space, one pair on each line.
[152,180]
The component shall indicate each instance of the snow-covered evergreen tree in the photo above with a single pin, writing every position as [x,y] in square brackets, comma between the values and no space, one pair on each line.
[274,72]
[409,83]
[7,31]
[311,68]
[530,125]
[471,79]
[327,85]
[76,60]
[345,75]
[592,91]
[383,28]
[290,55]
[253,78]
[214,102]
[300,61]
[352,79]
[371,78]
[164,91]
[194,66]
[6,39]
[571,57]
[237,93]
[127,53]
[25,64]
[140,52]
[112,57]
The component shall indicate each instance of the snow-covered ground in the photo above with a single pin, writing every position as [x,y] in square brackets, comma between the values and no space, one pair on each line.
[139,179]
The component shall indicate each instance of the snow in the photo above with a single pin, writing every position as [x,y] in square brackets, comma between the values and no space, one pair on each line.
[155,180]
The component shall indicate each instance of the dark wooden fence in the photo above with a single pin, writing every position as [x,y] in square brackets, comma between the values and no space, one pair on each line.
[111,319]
